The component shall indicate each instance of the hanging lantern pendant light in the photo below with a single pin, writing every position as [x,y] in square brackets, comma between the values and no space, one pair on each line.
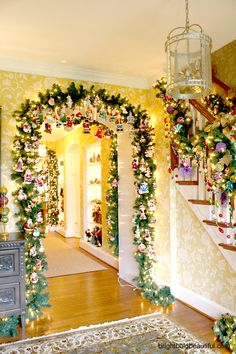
[188,61]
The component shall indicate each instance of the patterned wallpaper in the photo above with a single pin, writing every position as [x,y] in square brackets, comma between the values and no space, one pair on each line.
[200,265]
[224,59]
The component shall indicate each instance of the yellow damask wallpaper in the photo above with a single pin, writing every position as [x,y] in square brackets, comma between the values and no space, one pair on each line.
[224,60]
[200,265]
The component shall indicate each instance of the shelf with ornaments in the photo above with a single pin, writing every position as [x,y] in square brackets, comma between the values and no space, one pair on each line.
[93,195]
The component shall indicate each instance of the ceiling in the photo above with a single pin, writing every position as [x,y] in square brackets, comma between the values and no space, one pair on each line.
[119,41]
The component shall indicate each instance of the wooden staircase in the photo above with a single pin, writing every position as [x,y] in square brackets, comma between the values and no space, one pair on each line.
[215,217]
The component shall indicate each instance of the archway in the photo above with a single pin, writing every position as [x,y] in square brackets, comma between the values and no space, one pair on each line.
[81,106]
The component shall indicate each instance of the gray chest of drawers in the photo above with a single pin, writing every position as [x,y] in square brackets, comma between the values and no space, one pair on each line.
[12,277]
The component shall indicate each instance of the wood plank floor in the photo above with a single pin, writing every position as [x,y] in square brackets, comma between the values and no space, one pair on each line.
[97,297]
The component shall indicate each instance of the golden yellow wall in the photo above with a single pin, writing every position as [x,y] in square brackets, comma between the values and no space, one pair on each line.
[224,59]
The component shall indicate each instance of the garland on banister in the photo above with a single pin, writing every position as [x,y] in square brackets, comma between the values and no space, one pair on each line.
[112,198]
[67,109]
[215,143]
[225,330]
[52,188]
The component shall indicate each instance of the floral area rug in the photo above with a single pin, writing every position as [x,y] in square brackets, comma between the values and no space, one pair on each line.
[148,334]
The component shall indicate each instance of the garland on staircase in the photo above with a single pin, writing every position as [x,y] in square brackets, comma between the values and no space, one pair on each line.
[215,143]
[52,188]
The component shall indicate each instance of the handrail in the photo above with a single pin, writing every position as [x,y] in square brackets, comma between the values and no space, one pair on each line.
[196,104]
[220,83]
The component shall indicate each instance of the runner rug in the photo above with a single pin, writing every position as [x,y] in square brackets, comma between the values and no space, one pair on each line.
[63,259]
[150,334]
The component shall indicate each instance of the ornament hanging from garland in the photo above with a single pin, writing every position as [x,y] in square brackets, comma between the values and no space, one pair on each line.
[70,108]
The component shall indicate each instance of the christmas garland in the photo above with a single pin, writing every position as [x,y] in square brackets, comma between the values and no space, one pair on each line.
[215,143]
[68,109]
[52,188]
[112,198]
[225,330]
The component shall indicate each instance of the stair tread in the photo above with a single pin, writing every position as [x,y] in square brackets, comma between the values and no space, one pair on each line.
[200,201]
[187,183]
[217,223]
[228,247]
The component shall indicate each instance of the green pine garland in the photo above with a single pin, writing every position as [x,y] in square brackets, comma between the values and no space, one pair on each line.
[225,330]
[203,144]
[8,326]
[26,157]
[53,173]
[112,198]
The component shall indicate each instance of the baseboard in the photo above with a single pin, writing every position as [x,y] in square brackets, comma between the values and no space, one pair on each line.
[199,302]
[99,253]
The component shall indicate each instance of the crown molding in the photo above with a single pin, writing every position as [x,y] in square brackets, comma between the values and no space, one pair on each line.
[73,72]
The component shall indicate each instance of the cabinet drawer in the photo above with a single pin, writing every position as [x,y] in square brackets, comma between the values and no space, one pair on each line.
[9,296]
[9,262]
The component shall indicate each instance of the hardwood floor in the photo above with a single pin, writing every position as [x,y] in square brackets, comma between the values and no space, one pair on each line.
[97,297]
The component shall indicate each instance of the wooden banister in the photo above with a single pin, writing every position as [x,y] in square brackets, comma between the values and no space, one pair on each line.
[220,83]
[202,109]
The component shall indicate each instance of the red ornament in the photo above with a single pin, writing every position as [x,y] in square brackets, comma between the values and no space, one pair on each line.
[221,230]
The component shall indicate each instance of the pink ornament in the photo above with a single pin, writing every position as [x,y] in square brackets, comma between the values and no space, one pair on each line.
[141,248]
[170,109]
[26,127]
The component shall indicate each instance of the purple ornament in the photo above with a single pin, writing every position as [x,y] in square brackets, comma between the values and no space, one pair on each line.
[220,146]
[170,109]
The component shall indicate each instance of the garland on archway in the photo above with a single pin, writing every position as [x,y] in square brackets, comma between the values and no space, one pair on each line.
[52,188]
[70,108]
[112,198]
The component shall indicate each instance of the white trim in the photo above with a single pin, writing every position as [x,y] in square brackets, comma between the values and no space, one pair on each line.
[99,253]
[73,72]
[199,302]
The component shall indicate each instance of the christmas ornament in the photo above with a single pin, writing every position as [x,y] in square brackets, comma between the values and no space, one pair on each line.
[119,125]
[134,165]
[142,212]
[107,133]
[48,128]
[69,101]
[69,124]
[51,101]
[28,226]
[143,188]
[148,173]
[36,232]
[86,127]
[34,278]
[26,127]
[39,217]
[27,146]
[130,118]
[33,251]
[142,248]
[19,165]
[22,195]
[114,183]
[99,132]
[102,114]
[142,165]
[220,147]
[28,178]
[39,264]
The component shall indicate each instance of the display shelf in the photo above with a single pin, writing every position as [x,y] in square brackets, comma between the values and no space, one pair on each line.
[92,192]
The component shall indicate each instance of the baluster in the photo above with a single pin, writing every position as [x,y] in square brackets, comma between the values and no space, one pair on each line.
[201,181]
[193,113]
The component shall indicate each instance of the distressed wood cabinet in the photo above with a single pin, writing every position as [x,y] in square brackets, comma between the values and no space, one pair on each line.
[12,277]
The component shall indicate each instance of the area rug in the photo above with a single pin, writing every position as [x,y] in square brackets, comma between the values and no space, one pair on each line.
[148,334]
[64,259]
